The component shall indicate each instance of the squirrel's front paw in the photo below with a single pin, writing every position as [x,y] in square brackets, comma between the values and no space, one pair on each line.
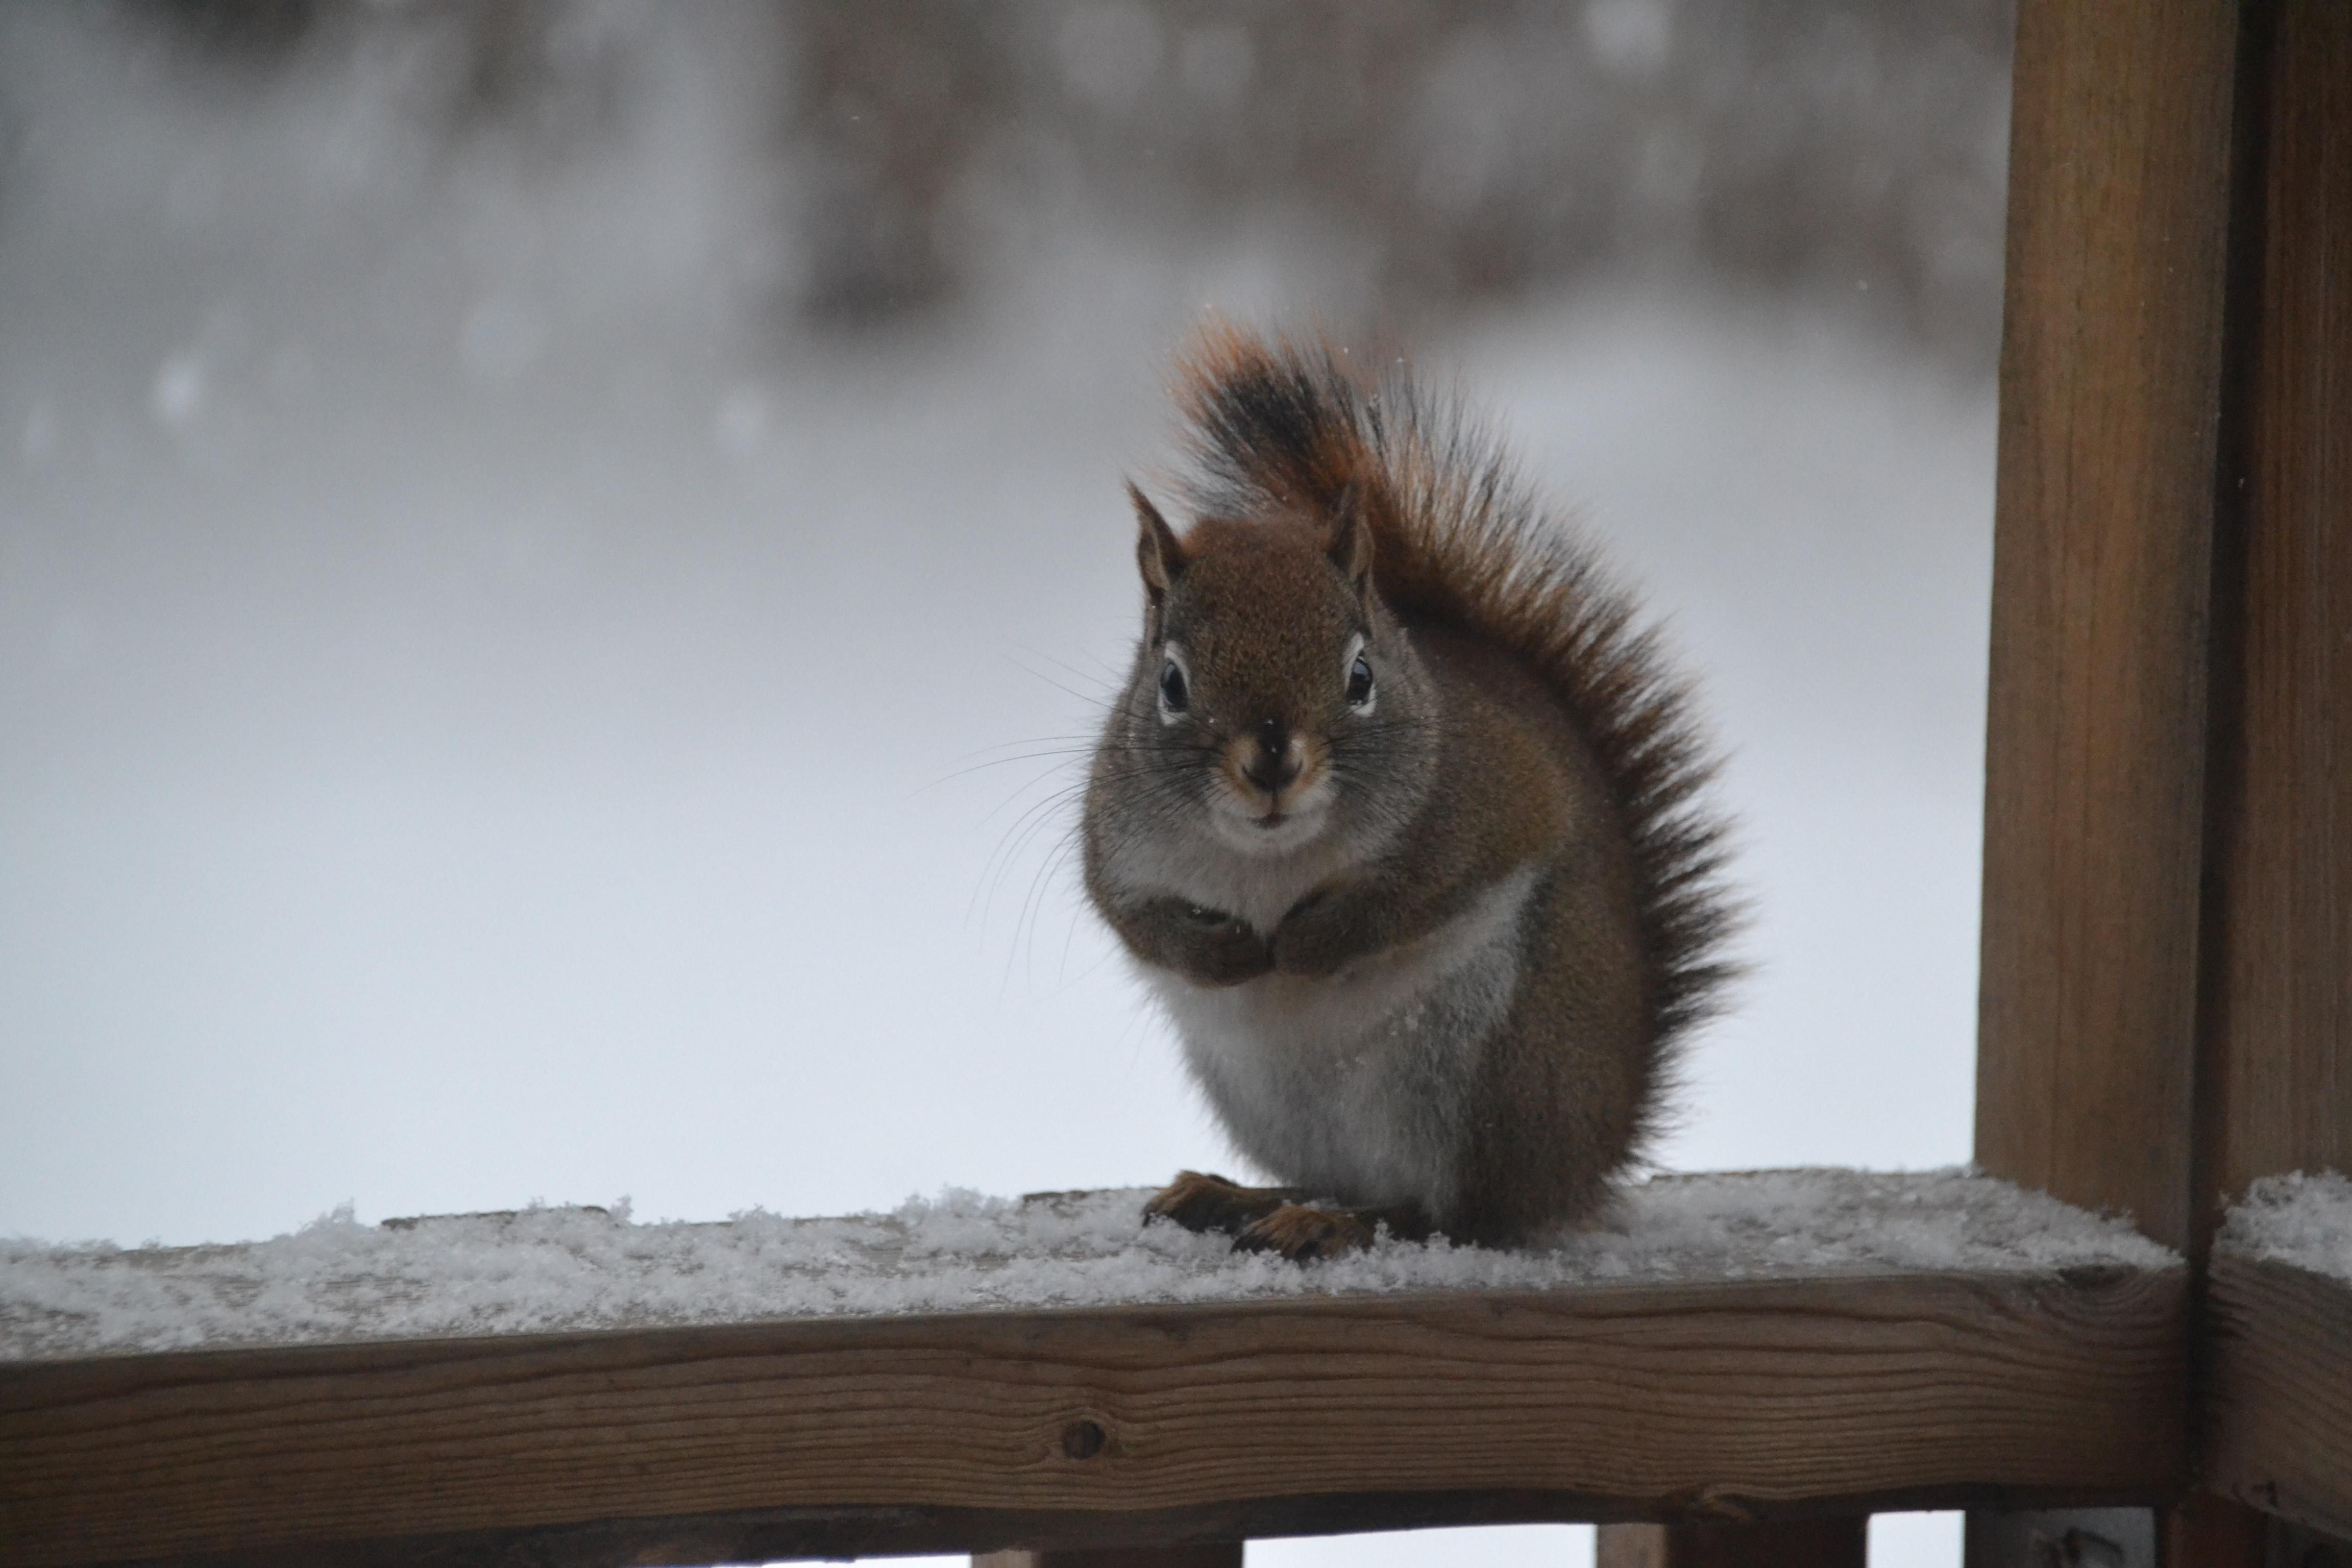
[1312,940]
[1301,1231]
[1222,951]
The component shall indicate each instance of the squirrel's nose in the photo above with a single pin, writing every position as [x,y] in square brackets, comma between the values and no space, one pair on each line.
[1275,761]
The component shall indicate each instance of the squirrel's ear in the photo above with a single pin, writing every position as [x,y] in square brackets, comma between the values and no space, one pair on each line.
[1157,550]
[1350,545]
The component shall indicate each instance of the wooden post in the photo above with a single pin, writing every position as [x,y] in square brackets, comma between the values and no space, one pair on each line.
[1210,1554]
[2167,906]
[2275,1088]
[1803,1544]
[2278,1092]
[2122,161]
[2112,370]
[2111,478]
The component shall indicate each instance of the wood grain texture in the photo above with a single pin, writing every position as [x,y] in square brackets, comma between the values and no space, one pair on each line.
[2279,1390]
[1722,1402]
[2166,990]
[1788,1544]
[2111,365]
[2280,1012]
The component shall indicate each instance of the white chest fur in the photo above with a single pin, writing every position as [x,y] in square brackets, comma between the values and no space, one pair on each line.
[1358,1085]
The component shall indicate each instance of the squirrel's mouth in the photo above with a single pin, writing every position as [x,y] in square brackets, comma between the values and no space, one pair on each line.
[1271,826]
[1256,820]
[1279,808]
[1272,833]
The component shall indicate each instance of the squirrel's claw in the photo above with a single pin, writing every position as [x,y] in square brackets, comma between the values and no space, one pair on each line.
[1202,1202]
[1205,1203]
[1301,1232]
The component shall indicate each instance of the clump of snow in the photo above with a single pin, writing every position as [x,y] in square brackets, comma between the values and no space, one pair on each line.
[2297,1219]
[563,1269]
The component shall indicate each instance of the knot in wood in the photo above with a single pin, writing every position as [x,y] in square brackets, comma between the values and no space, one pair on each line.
[2094,1276]
[1082,1440]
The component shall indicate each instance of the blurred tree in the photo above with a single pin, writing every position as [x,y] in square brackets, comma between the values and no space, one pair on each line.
[1467,149]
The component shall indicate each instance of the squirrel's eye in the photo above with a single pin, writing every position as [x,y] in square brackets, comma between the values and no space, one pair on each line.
[1360,683]
[1174,696]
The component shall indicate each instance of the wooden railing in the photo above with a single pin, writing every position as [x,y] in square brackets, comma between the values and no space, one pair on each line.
[1876,1370]
[1936,1350]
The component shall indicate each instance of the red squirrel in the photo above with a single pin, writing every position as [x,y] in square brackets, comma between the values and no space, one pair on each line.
[1401,816]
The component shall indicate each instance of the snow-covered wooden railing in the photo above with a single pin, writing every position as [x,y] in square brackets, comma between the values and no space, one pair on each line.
[562,1387]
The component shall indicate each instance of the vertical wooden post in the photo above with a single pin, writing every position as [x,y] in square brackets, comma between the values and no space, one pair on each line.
[2166,1009]
[1212,1554]
[2278,1092]
[2124,195]
[1804,1543]
[2112,369]
[2274,1091]
[2075,1538]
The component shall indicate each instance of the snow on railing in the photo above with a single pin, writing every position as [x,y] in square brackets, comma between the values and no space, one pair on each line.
[542,1269]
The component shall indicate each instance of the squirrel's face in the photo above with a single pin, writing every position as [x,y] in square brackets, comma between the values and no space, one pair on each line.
[1271,682]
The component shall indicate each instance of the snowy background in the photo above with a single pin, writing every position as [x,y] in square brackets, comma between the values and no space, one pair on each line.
[556,560]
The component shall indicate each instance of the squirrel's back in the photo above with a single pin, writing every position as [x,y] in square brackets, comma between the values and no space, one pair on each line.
[1502,640]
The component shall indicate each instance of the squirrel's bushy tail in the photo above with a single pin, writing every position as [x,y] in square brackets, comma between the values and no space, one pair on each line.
[1459,540]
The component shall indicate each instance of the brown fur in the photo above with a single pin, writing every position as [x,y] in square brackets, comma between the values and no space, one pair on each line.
[1462,542]
[1534,730]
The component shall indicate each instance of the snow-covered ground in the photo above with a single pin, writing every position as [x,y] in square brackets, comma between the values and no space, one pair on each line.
[487,716]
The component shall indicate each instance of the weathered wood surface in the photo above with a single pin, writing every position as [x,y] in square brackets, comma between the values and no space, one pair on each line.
[2159,1018]
[1717,1402]
[2278,1406]
[2167,987]
[2280,976]
[2111,392]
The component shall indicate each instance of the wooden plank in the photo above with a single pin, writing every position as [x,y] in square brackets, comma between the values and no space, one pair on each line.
[2280,1084]
[2279,1390]
[2111,380]
[1792,1543]
[1721,1401]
